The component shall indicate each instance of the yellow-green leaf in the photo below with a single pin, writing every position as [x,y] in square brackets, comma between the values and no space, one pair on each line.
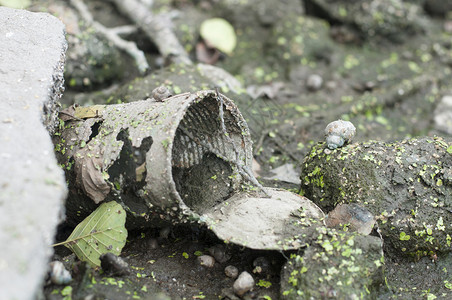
[101,232]
[15,3]
[220,34]
[85,112]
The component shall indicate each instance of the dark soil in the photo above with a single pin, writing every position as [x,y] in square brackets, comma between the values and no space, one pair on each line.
[388,88]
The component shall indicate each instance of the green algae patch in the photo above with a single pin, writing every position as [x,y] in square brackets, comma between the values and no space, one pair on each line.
[337,264]
[406,184]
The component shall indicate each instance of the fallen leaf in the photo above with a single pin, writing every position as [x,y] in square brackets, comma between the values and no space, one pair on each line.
[286,173]
[219,33]
[269,90]
[89,176]
[94,111]
[205,54]
[101,232]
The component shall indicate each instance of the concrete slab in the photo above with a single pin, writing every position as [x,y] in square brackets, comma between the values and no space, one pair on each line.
[32,186]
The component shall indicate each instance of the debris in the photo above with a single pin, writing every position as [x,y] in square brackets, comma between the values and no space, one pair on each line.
[113,36]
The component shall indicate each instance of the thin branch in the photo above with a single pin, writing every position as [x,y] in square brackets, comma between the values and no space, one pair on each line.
[113,36]
[243,168]
[125,29]
[157,27]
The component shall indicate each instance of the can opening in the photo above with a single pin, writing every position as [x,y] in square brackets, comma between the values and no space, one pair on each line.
[203,156]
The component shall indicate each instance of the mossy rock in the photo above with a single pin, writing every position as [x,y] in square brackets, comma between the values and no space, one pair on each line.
[407,185]
[338,264]
[178,78]
[92,61]
[394,20]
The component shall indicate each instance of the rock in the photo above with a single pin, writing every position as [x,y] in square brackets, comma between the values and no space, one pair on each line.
[59,274]
[438,7]
[243,284]
[219,252]
[261,265]
[114,265]
[92,61]
[314,82]
[443,115]
[231,272]
[391,19]
[206,261]
[338,265]
[33,188]
[407,185]
[353,216]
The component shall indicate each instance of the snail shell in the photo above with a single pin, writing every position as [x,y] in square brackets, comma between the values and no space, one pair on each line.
[59,274]
[339,133]
[161,93]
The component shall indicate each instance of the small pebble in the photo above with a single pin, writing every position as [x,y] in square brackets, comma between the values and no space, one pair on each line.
[243,284]
[314,82]
[231,272]
[220,253]
[206,261]
[59,274]
[114,265]
[331,85]
[357,217]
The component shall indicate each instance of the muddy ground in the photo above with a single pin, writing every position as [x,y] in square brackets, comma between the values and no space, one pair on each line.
[387,79]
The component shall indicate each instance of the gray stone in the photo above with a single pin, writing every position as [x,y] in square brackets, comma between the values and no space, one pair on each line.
[314,82]
[231,272]
[443,115]
[32,186]
[206,261]
[391,19]
[243,284]
[352,216]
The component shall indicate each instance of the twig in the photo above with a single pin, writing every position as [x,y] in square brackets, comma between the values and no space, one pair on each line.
[112,35]
[242,168]
[157,27]
[125,29]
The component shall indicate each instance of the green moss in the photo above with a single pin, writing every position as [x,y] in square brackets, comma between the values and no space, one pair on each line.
[337,264]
